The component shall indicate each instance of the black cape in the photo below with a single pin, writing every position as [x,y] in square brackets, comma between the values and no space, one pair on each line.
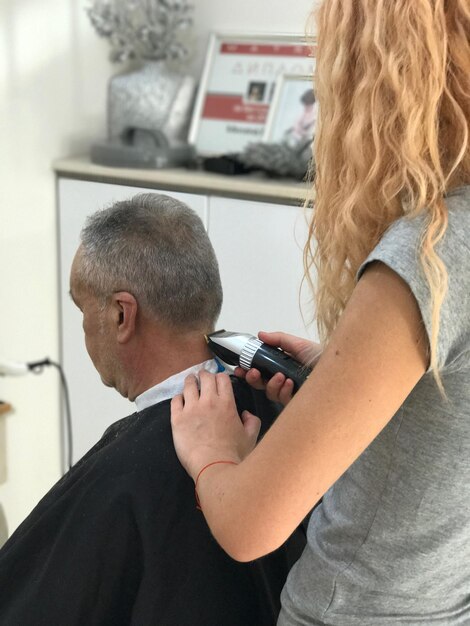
[118,540]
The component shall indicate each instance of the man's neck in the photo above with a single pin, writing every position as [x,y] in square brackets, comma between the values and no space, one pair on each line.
[161,356]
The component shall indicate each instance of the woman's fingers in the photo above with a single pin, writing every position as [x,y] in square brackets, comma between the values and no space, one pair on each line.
[252,377]
[286,392]
[278,339]
[280,389]
[251,424]
[277,388]
[240,372]
[223,386]
[190,389]
[207,383]
[301,349]
[177,405]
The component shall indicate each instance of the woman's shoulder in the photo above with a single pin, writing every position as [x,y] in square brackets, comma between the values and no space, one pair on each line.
[400,245]
[400,249]
[458,206]
[459,197]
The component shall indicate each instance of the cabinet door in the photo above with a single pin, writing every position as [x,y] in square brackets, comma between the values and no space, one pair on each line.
[94,406]
[259,248]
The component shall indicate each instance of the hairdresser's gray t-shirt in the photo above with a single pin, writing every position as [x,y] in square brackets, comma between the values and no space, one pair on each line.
[390,543]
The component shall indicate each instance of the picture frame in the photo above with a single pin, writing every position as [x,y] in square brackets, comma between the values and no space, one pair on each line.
[293,113]
[237,87]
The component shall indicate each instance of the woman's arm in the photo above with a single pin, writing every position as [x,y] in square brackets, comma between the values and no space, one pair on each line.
[375,357]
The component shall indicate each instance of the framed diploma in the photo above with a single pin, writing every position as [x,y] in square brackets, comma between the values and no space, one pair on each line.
[237,87]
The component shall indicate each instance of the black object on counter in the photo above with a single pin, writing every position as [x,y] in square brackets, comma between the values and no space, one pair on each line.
[227,164]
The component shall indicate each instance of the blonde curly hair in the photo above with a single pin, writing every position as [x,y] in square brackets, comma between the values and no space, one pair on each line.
[393,85]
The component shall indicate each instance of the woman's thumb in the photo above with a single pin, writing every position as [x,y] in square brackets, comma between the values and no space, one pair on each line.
[251,424]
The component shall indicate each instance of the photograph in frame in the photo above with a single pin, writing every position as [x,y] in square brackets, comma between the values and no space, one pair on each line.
[293,114]
[237,88]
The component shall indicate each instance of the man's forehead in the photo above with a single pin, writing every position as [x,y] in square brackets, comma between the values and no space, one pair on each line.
[79,292]
[77,256]
[74,282]
[74,291]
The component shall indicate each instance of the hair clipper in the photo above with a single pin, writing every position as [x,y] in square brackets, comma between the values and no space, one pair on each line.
[247,351]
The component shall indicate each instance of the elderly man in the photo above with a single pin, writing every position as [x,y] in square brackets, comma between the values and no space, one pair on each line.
[119,540]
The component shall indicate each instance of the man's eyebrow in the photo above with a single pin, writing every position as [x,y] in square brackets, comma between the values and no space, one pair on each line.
[71,295]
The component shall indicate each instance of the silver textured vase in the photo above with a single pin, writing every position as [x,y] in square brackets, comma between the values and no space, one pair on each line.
[153,98]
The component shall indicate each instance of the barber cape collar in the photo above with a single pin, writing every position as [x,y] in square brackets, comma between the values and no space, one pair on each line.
[174,385]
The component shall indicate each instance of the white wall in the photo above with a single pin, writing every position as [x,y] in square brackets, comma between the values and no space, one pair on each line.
[251,16]
[53,73]
[52,77]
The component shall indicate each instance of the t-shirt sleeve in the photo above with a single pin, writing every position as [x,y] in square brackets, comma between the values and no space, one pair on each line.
[399,249]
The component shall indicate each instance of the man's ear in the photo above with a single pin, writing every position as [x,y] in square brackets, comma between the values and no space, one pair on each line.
[125,313]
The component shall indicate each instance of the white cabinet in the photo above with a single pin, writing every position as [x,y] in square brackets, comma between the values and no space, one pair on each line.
[258,246]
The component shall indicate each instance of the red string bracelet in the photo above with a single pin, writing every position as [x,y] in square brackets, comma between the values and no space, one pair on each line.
[198,503]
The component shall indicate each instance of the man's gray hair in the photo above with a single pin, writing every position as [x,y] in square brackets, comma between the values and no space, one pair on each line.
[156,248]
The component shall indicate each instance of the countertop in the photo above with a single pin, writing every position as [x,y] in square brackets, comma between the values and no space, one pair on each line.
[248,186]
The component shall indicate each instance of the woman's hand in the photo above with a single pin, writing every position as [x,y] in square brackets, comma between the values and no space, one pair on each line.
[279,388]
[206,425]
